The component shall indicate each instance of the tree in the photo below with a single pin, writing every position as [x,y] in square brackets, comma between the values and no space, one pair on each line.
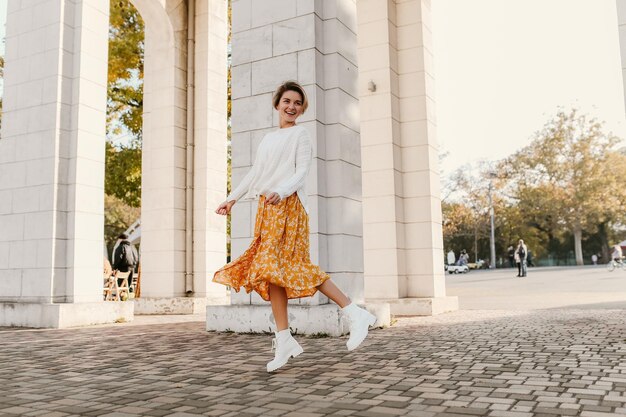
[124,115]
[125,102]
[125,72]
[470,217]
[568,177]
[123,173]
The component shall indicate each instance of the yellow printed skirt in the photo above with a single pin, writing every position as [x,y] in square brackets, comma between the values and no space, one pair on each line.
[278,254]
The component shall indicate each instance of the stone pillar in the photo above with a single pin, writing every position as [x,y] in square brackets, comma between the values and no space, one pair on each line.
[164,155]
[163,159]
[313,43]
[621,21]
[52,166]
[210,128]
[403,241]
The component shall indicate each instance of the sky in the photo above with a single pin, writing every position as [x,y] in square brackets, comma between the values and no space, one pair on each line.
[503,68]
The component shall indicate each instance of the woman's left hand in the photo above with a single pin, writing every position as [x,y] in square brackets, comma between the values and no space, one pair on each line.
[272,198]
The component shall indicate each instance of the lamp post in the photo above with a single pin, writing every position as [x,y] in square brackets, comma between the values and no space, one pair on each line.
[492,239]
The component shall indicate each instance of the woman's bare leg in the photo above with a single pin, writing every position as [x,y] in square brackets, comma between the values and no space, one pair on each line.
[278,298]
[330,290]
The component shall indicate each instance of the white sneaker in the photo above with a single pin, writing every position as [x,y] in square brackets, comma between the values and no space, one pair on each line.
[360,320]
[286,347]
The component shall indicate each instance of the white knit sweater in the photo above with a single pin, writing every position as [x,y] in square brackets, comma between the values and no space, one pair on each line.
[281,165]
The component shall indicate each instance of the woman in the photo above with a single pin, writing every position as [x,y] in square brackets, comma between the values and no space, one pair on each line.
[520,258]
[277,264]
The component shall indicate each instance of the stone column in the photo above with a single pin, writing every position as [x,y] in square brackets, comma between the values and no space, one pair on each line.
[164,289]
[210,147]
[313,43]
[52,166]
[621,21]
[163,162]
[403,241]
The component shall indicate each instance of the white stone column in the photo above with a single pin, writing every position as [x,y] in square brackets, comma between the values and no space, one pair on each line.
[164,164]
[52,166]
[403,241]
[313,43]
[621,21]
[210,129]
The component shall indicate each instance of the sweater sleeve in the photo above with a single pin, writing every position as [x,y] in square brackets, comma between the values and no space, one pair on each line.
[304,154]
[243,186]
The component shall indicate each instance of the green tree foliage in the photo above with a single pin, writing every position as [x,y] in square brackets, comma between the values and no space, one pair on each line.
[125,101]
[560,193]
[568,177]
[125,72]
[464,225]
[124,117]
[123,173]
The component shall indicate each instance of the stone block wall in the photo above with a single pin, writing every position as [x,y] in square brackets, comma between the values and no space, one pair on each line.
[401,207]
[164,148]
[210,128]
[52,153]
[314,43]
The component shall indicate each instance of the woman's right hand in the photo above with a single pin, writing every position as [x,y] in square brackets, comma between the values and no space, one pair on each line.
[225,207]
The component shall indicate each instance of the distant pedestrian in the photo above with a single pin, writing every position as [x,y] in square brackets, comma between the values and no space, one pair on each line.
[521,258]
[125,259]
[594,259]
[511,252]
[451,257]
[529,258]
[463,258]
[617,253]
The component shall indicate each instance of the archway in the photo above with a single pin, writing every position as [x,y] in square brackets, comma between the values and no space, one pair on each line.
[53,160]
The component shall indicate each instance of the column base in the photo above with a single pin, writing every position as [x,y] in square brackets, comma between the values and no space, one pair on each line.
[176,305]
[317,319]
[62,315]
[422,306]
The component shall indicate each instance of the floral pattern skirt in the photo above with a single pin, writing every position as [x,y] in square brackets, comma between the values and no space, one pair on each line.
[278,254]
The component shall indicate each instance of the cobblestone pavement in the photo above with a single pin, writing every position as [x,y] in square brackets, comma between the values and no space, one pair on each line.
[467,363]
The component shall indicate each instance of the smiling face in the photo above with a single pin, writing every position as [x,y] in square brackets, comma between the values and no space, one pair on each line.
[290,107]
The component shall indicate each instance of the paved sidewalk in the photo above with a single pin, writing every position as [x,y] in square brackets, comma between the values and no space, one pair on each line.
[586,287]
[467,363]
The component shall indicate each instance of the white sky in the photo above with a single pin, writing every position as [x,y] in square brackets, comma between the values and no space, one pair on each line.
[503,67]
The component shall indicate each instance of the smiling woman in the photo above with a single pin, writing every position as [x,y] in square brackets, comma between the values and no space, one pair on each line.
[277,264]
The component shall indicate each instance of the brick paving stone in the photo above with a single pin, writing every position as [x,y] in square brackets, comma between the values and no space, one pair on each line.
[469,363]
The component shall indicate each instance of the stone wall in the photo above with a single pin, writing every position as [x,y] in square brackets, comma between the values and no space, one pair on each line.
[314,43]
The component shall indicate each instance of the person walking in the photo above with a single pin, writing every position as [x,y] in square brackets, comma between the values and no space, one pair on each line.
[125,259]
[594,259]
[617,253]
[277,264]
[511,254]
[520,257]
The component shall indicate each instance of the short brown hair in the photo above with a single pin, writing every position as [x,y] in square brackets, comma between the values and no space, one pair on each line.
[290,86]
